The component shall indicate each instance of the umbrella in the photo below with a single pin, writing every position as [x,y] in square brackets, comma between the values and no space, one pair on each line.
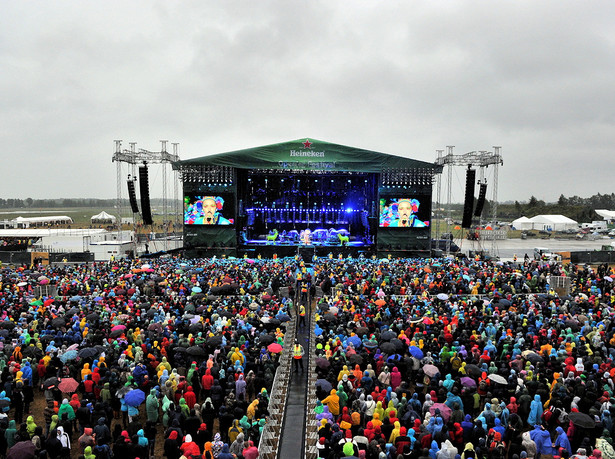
[68,385]
[582,420]
[430,370]
[116,333]
[7,324]
[445,411]
[498,379]
[355,341]
[387,348]
[264,340]
[68,356]
[415,351]
[134,397]
[532,357]
[22,450]
[380,302]
[58,322]
[442,296]
[22,284]
[118,327]
[388,335]
[322,363]
[87,352]
[197,289]
[324,385]
[467,382]
[196,351]
[50,382]
[473,370]
[122,391]
[93,316]
[355,359]
[274,348]
[362,331]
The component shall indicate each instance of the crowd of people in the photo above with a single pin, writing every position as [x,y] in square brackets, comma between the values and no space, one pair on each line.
[169,358]
[463,358]
[416,358]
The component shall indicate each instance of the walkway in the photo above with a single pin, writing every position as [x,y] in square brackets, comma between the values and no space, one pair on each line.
[292,441]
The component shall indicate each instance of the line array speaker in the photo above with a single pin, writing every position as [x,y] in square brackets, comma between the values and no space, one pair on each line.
[468,204]
[132,196]
[146,211]
[480,203]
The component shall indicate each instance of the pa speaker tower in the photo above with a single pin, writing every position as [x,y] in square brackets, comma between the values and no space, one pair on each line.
[146,211]
[132,195]
[480,203]
[468,204]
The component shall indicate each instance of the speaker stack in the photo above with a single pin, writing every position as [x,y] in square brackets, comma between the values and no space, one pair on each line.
[146,211]
[132,195]
[468,204]
[480,203]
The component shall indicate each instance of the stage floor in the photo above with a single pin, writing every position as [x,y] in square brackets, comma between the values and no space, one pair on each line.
[260,242]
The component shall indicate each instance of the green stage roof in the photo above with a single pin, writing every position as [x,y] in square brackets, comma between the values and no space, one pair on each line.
[309,154]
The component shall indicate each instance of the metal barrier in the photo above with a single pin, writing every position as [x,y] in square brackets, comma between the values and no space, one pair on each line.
[270,438]
[311,424]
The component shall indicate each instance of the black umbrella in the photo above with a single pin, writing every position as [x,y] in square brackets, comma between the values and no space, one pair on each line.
[4,333]
[473,370]
[265,340]
[30,351]
[388,335]
[116,333]
[180,350]
[355,359]
[362,331]
[329,317]
[58,322]
[387,348]
[88,352]
[195,328]
[123,391]
[215,340]
[322,363]
[196,351]
[22,450]
[50,382]
[399,345]
[534,358]
[8,325]
[93,316]
[582,420]
[72,311]
[324,385]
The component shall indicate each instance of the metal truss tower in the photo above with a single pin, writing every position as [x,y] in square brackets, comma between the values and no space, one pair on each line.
[134,157]
[481,159]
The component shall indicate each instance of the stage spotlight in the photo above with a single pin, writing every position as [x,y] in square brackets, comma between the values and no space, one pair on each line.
[348,210]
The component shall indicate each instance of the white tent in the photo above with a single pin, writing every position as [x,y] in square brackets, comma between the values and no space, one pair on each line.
[606,214]
[25,222]
[522,224]
[103,217]
[553,223]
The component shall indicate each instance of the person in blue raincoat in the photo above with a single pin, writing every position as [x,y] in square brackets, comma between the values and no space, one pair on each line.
[535,415]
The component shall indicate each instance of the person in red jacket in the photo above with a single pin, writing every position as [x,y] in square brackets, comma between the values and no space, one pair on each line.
[251,452]
[190,397]
[206,382]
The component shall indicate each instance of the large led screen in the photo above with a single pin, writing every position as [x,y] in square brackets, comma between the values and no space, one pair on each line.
[405,212]
[218,209]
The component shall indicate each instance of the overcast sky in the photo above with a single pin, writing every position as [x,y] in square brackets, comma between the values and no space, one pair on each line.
[400,77]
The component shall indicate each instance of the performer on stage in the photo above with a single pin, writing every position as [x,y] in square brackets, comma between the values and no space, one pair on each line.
[406,211]
[207,211]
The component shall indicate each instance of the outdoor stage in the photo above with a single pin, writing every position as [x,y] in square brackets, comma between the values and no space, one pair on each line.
[306,197]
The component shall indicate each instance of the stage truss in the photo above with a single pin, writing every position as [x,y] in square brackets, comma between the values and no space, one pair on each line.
[480,159]
[172,212]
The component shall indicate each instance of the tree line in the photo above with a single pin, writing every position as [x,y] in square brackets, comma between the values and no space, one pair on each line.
[29,203]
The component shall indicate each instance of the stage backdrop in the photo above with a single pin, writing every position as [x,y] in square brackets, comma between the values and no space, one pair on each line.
[402,183]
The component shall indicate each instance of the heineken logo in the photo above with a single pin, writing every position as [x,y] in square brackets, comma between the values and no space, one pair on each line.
[307,151]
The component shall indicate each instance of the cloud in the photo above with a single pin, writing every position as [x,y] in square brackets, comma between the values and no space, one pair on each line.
[404,78]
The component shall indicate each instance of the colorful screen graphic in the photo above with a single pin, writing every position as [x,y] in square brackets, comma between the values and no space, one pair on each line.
[216,209]
[405,212]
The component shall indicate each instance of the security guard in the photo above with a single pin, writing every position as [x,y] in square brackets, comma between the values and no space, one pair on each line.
[298,352]
[302,315]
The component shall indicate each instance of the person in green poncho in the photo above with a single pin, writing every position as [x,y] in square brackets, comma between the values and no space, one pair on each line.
[151,406]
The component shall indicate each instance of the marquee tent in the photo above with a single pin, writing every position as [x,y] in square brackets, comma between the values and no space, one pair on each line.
[103,217]
[523,224]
